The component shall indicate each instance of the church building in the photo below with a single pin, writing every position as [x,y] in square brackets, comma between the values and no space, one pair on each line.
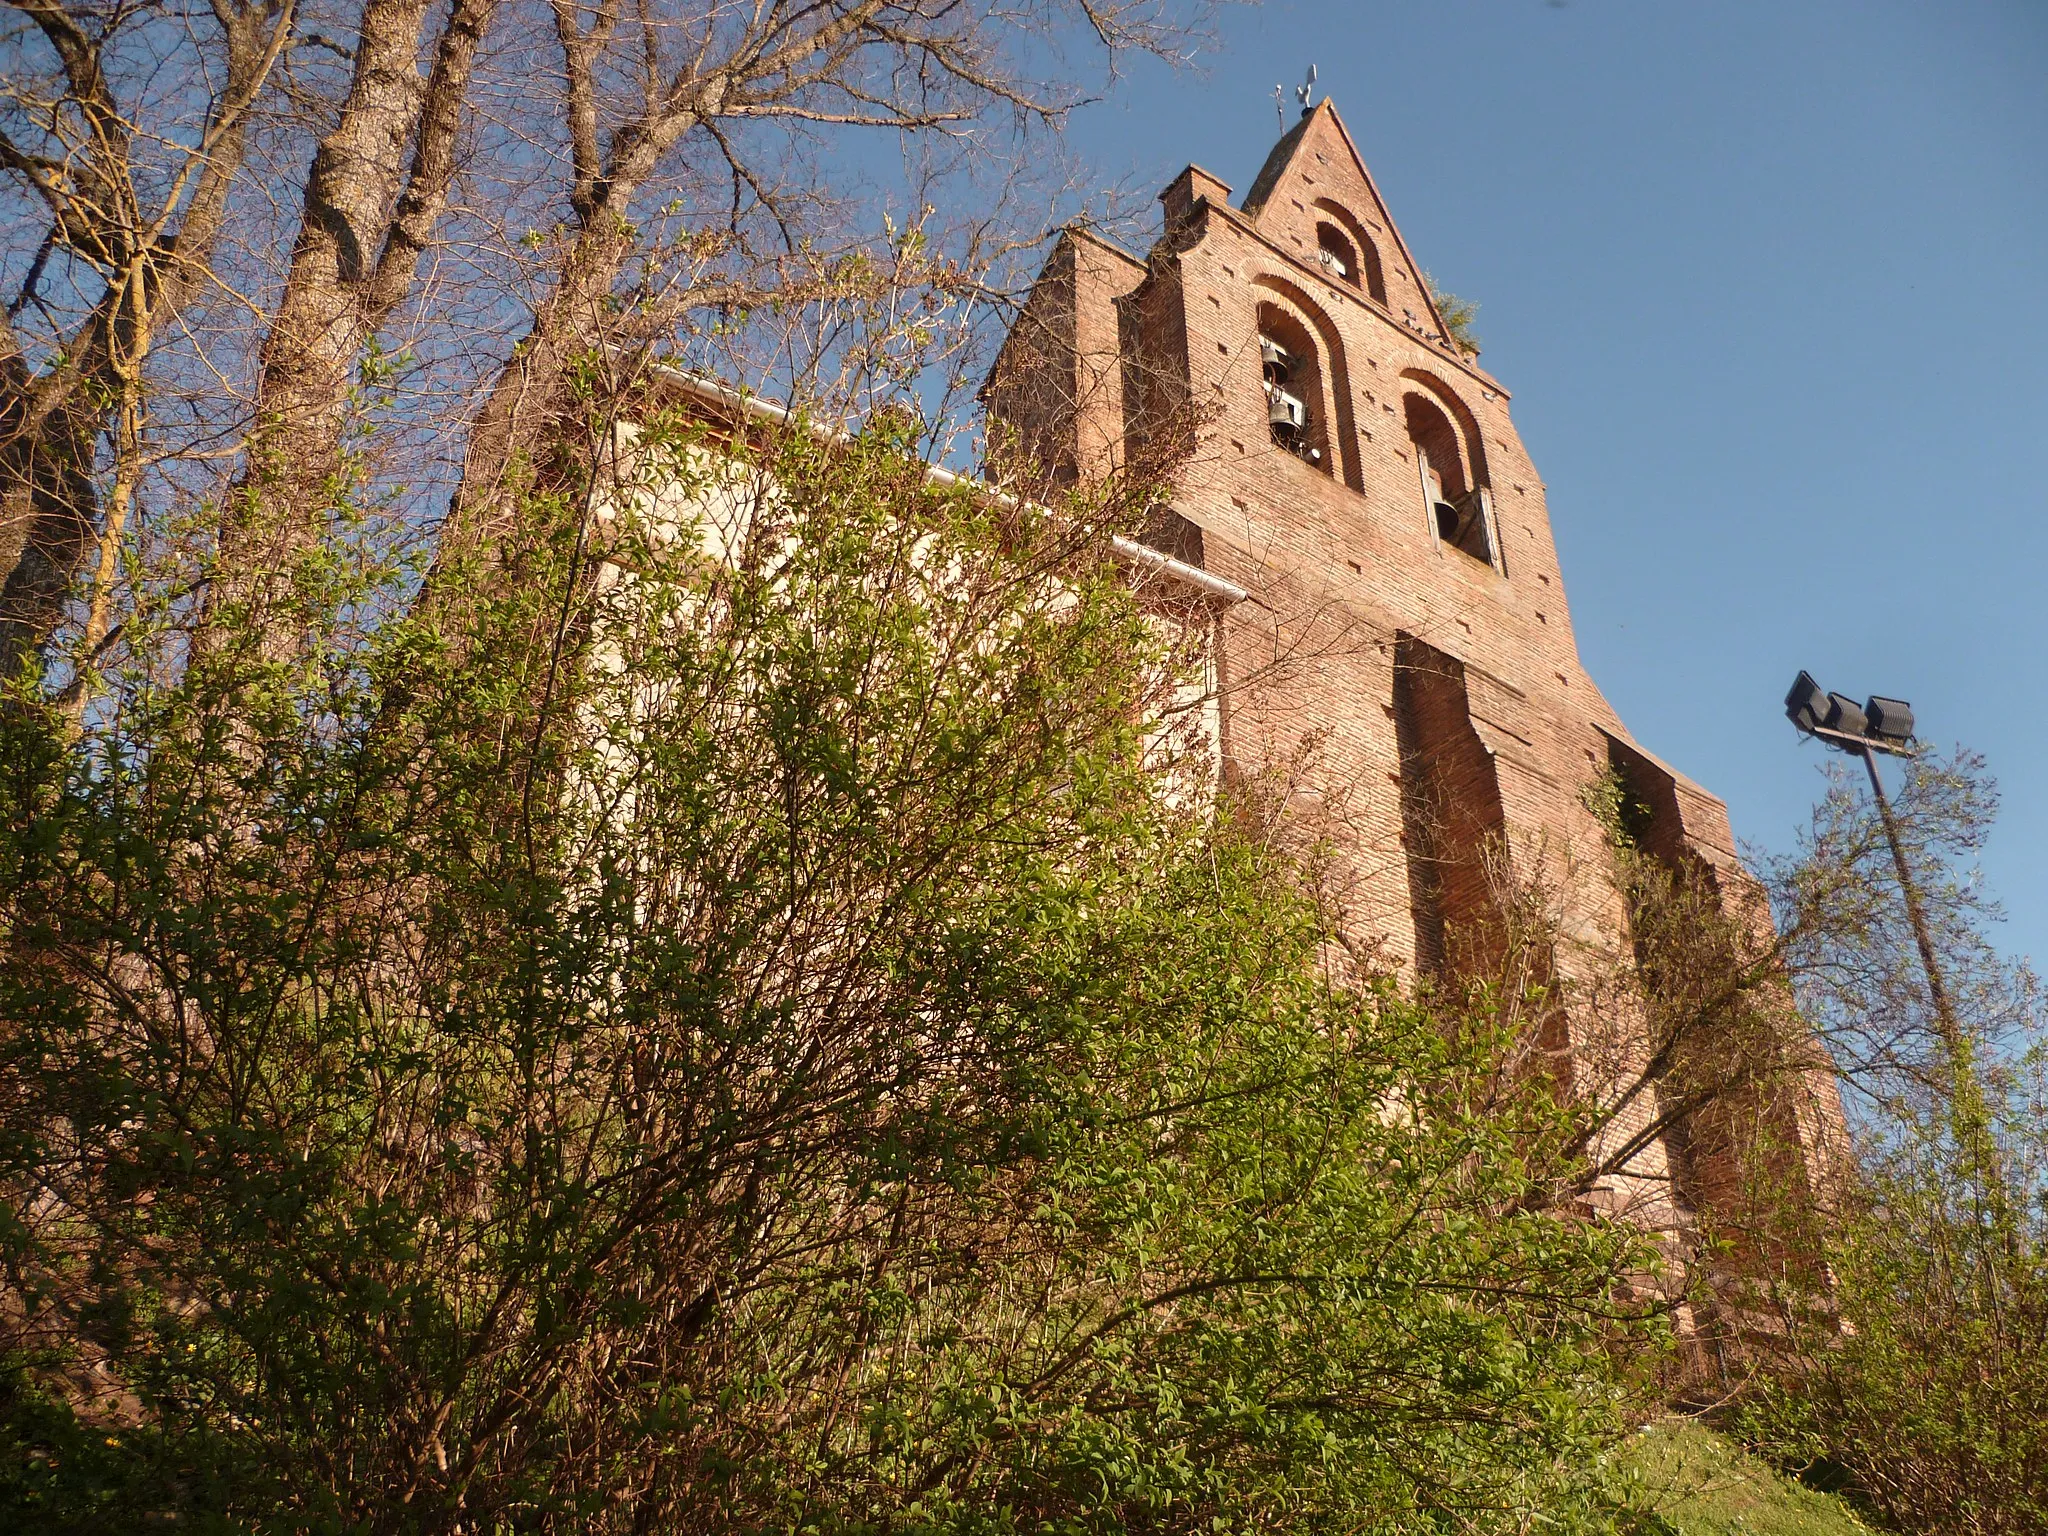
[1406,649]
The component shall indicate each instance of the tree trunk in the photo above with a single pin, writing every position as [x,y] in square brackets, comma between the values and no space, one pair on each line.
[155,262]
[369,217]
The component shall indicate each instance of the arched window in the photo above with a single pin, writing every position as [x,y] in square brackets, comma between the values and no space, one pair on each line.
[1292,380]
[1341,239]
[1337,254]
[1455,504]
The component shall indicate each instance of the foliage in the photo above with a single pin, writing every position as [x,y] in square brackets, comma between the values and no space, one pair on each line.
[743,1027]
[1458,316]
[1699,1483]
[1935,1397]
[1693,1040]
[1926,1380]
[1850,948]
[1876,1307]
[209,220]
[1931,1390]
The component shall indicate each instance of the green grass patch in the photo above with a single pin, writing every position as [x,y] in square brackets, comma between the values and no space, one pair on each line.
[1703,1484]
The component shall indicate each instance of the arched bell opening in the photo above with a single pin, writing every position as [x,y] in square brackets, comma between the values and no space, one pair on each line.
[1291,378]
[1453,500]
[1339,233]
[1338,255]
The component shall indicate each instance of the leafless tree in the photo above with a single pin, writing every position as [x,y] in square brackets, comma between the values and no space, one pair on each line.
[217,212]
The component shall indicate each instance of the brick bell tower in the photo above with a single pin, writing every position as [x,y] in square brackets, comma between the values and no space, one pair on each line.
[1334,452]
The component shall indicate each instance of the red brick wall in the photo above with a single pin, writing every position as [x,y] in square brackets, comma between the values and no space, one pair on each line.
[1397,690]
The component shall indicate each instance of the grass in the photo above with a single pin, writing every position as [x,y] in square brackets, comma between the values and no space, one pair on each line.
[1705,1485]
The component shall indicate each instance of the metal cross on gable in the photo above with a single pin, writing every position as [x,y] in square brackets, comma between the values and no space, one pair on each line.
[1303,93]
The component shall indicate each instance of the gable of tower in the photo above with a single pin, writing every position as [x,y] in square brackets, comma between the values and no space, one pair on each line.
[1315,199]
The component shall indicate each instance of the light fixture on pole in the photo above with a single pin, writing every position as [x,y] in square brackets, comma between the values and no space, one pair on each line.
[1864,730]
[1886,725]
[1877,725]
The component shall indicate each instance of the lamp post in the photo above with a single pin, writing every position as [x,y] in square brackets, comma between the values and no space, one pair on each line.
[1879,725]
[1886,725]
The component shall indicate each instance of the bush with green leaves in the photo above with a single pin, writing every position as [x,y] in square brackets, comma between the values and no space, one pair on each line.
[1921,1380]
[1459,317]
[732,1023]
[1931,1398]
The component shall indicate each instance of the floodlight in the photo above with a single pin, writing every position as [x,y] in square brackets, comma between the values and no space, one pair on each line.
[1891,719]
[1806,705]
[1882,726]
[1846,715]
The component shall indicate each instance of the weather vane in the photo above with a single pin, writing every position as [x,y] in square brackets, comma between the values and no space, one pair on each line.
[1303,93]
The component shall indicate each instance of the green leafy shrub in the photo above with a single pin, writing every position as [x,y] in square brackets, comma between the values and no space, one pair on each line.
[749,1036]
[1458,316]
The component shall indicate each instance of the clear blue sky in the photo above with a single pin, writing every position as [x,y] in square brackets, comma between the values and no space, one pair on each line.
[1769,282]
